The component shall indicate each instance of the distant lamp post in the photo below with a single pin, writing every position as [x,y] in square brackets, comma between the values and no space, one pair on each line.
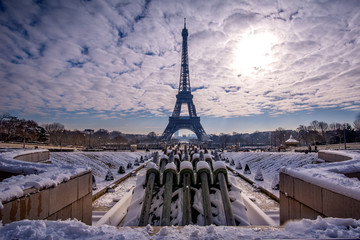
[25,126]
[344,137]
[89,132]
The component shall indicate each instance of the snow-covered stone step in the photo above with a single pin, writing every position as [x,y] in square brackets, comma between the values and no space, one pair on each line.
[97,215]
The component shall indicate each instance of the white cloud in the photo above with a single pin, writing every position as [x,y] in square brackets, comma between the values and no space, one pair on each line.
[124,57]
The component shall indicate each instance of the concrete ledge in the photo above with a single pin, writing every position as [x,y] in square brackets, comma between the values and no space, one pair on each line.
[337,205]
[332,156]
[70,199]
[310,201]
[63,195]
[308,194]
[38,156]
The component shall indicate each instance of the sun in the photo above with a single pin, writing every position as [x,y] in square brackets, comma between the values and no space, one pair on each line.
[253,52]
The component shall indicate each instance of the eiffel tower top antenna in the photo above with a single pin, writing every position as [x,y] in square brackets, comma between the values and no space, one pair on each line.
[184,85]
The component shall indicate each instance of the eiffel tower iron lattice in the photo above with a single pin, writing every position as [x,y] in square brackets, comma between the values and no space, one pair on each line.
[184,96]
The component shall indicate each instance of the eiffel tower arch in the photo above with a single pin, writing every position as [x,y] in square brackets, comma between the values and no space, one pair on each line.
[184,97]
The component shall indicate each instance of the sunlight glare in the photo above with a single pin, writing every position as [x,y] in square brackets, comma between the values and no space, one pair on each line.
[254,52]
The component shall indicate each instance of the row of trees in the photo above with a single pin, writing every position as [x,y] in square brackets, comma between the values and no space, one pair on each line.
[20,130]
[316,133]
[15,129]
[89,138]
[324,133]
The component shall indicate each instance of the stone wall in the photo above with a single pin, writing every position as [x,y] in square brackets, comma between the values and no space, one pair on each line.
[70,199]
[38,156]
[300,199]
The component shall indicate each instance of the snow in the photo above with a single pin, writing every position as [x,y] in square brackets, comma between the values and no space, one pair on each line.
[331,175]
[219,165]
[186,165]
[208,156]
[98,162]
[171,166]
[163,156]
[196,156]
[347,153]
[259,175]
[108,200]
[8,163]
[237,205]
[292,140]
[202,165]
[302,166]
[238,165]
[270,164]
[275,183]
[185,157]
[151,165]
[134,210]
[255,215]
[64,166]
[37,175]
[73,229]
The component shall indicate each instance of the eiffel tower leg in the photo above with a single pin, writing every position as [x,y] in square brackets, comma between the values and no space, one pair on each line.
[169,131]
[199,131]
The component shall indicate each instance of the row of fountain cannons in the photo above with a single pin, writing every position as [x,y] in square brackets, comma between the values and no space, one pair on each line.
[187,169]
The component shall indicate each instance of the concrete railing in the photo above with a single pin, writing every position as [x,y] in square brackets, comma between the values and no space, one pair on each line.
[301,199]
[330,156]
[308,196]
[38,156]
[70,199]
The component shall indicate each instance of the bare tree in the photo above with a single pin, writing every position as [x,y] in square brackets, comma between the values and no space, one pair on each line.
[152,136]
[279,136]
[8,126]
[335,126]
[224,139]
[101,137]
[14,129]
[357,122]
[314,125]
[55,131]
[323,126]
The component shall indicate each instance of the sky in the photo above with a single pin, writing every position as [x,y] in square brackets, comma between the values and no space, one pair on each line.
[254,65]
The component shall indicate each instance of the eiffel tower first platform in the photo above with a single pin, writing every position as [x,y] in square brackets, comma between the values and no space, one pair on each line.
[184,96]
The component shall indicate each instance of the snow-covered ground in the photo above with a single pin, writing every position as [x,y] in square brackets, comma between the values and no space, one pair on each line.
[72,229]
[270,164]
[69,163]
[64,166]
[108,200]
[99,163]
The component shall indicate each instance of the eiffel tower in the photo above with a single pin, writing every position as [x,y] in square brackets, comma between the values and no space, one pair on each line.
[184,96]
